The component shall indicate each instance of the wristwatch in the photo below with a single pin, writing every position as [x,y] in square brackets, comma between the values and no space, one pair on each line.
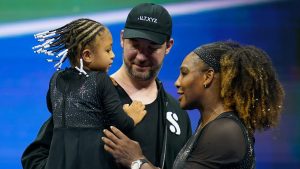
[137,164]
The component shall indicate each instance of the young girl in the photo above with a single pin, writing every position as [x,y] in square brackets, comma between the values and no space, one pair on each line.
[82,99]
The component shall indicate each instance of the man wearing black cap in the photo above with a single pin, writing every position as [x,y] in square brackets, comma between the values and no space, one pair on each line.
[149,21]
[145,40]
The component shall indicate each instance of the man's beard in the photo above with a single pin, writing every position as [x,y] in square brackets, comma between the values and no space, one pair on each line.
[152,73]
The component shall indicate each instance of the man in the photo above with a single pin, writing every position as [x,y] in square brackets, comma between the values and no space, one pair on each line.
[145,40]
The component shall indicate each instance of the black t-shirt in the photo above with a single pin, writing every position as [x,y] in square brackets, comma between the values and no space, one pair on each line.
[146,131]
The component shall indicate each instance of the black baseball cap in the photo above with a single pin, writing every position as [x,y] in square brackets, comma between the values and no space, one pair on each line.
[148,21]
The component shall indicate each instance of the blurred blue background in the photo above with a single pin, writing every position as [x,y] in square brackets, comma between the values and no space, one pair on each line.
[273,26]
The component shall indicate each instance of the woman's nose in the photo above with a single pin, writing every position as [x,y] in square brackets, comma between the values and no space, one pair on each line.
[177,82]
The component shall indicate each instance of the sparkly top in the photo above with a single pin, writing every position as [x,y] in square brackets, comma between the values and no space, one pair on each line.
[87,102]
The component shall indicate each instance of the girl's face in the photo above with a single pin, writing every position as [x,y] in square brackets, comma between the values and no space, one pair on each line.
[190,82]
[102,54]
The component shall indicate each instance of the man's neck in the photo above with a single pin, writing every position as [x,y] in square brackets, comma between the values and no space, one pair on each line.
[141,90]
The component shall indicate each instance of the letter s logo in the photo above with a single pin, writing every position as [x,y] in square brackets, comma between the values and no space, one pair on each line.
[174,127]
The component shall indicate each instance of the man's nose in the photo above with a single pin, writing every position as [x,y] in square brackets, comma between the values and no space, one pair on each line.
[141,56]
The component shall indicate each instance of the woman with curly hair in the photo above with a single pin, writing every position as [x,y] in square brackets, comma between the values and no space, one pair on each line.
[237,92]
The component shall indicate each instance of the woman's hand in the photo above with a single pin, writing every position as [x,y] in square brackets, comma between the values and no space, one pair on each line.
[123,149]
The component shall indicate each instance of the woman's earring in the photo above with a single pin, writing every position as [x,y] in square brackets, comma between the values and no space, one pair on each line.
[204,85]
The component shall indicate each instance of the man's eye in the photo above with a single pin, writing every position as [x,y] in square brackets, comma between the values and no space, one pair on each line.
[135,46]
[153,48]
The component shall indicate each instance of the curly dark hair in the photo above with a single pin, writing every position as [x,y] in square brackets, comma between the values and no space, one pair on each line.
[249,83]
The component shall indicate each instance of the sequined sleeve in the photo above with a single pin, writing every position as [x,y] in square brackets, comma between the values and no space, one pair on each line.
[48,97]
[113,108]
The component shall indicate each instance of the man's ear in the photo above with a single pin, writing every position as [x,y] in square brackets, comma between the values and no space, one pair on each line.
[121,38]
[169,44]
[87,56]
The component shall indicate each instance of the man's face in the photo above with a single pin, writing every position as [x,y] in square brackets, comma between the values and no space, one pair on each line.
[143,58]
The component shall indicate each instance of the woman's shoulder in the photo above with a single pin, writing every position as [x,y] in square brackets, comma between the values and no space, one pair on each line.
[226,137]
[226,126]
[223,141]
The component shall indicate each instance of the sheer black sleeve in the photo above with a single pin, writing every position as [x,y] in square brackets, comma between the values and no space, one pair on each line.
[113,108]
[221,143]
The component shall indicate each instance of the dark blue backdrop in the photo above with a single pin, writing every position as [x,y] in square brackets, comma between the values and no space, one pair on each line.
[275,27]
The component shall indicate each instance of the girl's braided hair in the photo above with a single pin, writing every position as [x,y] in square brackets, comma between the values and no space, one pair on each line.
[69,40]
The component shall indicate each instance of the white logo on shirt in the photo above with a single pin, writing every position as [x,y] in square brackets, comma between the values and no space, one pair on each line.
[147,19]
[174,127]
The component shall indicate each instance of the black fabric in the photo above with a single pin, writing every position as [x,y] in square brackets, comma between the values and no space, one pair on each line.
[222,143]
[81,108]
[80,101]
[78,148]
[166,103]
[208,58]
[36,154]
[148,126]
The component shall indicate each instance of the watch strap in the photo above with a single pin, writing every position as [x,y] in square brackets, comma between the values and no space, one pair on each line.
[143,161]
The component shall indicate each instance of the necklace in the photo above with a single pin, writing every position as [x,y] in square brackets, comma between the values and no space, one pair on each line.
[213,116]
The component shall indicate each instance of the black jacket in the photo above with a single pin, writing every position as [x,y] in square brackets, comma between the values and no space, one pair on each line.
[175,129]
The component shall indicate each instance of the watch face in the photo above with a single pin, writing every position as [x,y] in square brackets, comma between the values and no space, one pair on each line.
[136,164]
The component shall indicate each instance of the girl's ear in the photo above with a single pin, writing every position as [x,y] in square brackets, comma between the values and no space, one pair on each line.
[87,56]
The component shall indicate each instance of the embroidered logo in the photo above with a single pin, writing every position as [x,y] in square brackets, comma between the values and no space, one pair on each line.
[174,127]
[147,19]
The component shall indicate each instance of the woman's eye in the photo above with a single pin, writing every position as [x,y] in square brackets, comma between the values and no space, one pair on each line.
[184,71]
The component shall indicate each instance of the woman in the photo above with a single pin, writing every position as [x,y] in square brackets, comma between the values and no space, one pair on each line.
[236,91]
